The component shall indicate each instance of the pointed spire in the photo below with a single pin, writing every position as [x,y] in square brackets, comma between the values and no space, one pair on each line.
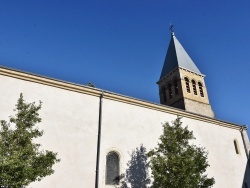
[177,57]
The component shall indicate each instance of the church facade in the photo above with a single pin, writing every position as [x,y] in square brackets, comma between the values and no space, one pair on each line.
[95,132]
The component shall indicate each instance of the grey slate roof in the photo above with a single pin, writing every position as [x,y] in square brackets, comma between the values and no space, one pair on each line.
[177,57]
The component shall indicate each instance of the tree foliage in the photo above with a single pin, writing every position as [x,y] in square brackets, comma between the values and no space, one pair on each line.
[176,163]
[21,160]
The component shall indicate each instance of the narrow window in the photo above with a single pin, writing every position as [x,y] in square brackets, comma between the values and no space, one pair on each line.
[163,91]
[112,168]
[187,84]
[194,87]
[236,147]
[201,89]
[170,91]
[176,90]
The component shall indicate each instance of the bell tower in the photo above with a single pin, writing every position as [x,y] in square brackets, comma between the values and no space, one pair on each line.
[181,84]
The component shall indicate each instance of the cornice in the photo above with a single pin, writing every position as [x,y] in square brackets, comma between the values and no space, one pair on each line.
[176,69]
[111,96]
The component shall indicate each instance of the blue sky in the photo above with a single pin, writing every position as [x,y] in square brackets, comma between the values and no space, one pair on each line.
[120,46]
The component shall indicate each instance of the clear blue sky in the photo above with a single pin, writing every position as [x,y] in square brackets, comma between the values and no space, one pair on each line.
[120,46]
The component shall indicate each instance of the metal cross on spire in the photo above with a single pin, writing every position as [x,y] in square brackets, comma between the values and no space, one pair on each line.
[171,28]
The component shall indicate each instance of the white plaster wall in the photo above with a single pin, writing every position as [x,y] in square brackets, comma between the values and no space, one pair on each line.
[126,127]
[70,122]
[227,167]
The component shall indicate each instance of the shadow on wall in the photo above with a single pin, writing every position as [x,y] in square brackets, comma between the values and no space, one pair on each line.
[246,180]
[137,173]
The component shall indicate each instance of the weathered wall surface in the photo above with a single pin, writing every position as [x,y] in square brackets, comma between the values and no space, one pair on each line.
[202,108]
[70,121]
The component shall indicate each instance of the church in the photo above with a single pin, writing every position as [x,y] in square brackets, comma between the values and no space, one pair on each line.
[95,131]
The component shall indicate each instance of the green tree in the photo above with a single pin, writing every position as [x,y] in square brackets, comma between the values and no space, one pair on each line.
[175,162]
[21,160]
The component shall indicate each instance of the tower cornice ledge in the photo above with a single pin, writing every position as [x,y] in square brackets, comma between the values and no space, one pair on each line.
[182,68]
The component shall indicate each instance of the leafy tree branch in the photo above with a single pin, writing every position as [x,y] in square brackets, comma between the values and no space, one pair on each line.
[21,160]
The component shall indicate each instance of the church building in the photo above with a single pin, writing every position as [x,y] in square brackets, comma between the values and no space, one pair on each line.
[95,131]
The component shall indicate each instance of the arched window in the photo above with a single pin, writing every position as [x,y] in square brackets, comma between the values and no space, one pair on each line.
[201,89]
[112,168]
[176,90]
[170,91]
[187,84]
[164,96]
[236,147]
[194,87]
